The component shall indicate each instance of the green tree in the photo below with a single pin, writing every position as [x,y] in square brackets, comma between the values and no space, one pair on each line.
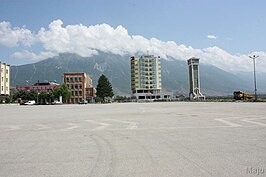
[104,88]
[62,91]
[42,97]
[32,95]
[121,99]
[25,95]
[20,94]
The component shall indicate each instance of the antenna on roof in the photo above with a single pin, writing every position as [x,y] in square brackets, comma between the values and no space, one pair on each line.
[147,52]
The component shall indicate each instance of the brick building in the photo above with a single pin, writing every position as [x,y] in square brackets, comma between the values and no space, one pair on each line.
[81,88]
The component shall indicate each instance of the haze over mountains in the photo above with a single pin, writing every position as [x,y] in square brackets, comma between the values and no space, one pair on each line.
[214,81]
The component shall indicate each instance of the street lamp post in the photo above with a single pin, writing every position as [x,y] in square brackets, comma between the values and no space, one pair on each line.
[254,65]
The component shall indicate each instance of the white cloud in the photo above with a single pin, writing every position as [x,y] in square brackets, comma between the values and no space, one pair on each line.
[86,40]
[211,37]
[12,37]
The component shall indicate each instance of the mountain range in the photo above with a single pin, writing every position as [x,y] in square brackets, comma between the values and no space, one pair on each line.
[214,81]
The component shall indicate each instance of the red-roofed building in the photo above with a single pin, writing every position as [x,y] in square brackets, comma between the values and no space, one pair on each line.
[40,87]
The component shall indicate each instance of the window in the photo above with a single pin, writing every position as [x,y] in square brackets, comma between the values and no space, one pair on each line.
[6,71]
[88,91]
[2,79]
[6,79]
[2,88]
[2,70]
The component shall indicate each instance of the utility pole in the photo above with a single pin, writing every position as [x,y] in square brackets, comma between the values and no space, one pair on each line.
[254,65]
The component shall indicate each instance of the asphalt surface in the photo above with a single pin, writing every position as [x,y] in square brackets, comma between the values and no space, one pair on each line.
[133,140]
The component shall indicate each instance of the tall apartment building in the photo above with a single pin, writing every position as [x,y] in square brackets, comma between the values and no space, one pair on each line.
[4,79]
[146,77]
[80,85]
[194,79]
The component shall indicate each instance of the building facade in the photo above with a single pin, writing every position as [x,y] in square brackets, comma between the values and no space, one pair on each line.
[194,79]
[146,77]
[90,94]
[40,87]
[4,79]
[80,85]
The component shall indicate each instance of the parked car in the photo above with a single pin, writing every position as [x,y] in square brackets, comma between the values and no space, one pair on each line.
[31,102]
[56,102]
[83,102]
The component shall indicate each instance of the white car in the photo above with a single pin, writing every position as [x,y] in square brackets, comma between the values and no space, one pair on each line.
[57,102]
[31,102]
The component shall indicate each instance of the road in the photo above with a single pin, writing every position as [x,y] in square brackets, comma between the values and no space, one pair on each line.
[134,140]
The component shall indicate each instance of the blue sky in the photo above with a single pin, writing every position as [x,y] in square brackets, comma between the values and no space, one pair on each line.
[235,26]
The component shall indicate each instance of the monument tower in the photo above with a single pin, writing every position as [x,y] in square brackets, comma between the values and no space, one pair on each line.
[194,79]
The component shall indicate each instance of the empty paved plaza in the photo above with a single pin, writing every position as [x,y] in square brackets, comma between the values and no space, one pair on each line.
[134,140]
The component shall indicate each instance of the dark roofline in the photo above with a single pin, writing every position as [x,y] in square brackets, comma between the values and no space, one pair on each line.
[5,63]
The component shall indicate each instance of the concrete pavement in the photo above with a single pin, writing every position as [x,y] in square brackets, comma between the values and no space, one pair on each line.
[134,140]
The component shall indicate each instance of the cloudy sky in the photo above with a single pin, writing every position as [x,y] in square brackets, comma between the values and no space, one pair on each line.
[220,32]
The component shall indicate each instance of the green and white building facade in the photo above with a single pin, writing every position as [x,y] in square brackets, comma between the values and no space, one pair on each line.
[146,82]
